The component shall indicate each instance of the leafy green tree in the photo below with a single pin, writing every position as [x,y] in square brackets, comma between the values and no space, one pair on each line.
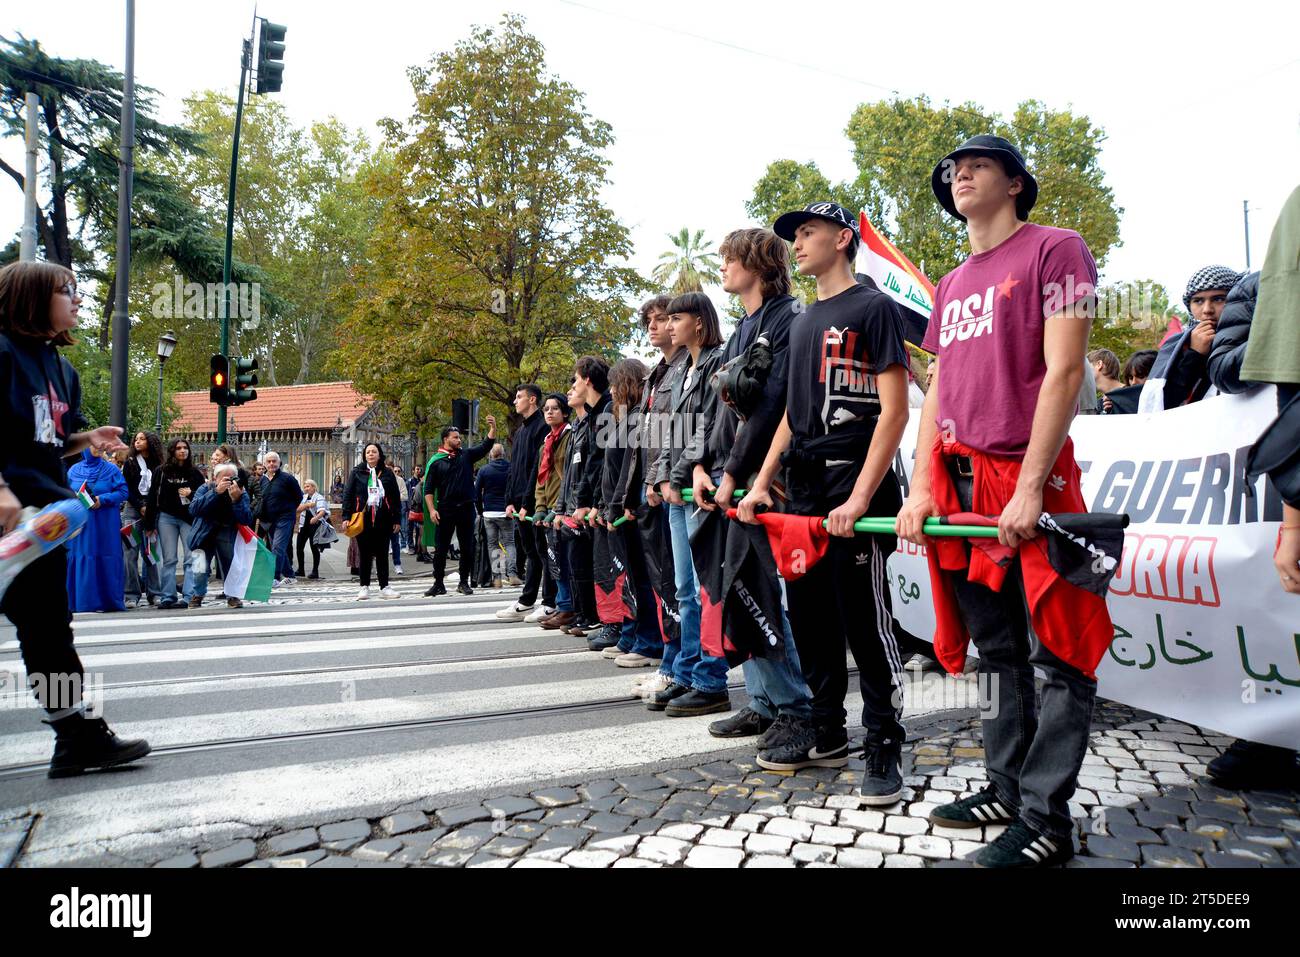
[493,260]
[1131,316]
[896,144]
[80,111]
[689,266]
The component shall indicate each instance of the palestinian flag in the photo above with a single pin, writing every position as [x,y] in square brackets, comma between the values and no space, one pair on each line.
[652,523]
[894,275]
[615,595]
[428,530]
[84,496]
[252,567]
[135,535]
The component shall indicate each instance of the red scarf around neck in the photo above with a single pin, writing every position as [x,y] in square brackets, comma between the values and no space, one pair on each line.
[548,452]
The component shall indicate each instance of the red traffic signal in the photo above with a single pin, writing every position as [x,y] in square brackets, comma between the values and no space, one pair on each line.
[219,380]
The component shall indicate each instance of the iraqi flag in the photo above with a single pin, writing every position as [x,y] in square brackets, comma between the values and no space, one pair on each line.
[252,568]
[896,276]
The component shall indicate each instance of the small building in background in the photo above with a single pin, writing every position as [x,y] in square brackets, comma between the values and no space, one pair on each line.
[319,430]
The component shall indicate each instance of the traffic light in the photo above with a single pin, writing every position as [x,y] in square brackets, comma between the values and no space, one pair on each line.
[219,381]
[245,378]
[270,57]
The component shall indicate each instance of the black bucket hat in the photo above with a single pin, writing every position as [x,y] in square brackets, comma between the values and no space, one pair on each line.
[985,145]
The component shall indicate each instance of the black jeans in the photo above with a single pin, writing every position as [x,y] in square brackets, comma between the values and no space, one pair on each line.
[582,577]
[372,544]
[1032,752]
[305,538]
[533,545]
[458,519]
[844,598]
[37,605]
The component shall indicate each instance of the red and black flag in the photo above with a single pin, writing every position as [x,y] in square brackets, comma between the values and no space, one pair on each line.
[615,596]
[741,595]
[652,523]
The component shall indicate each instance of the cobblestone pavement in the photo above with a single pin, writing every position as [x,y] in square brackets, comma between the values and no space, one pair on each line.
[1142,801]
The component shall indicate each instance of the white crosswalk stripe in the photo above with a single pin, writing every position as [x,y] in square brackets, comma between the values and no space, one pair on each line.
[325,666]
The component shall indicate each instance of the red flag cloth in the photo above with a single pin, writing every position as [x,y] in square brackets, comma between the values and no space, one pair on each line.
[1072,623]
[1175,328]
[798,541]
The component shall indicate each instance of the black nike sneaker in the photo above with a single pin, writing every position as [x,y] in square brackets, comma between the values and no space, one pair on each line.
[810,748]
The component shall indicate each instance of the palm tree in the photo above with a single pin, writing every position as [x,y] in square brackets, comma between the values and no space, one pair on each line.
[688,266]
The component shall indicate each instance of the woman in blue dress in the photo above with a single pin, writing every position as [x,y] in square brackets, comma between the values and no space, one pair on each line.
[96,570]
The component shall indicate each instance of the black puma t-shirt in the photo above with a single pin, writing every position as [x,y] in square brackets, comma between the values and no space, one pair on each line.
[837,348]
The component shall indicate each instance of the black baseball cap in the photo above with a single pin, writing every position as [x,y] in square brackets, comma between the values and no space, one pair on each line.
[985,145]
[785,226]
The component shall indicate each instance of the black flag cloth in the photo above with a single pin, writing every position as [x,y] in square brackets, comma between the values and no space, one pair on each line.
[741,594]
[653,524]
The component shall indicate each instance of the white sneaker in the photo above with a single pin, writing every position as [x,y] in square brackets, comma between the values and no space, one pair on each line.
[363,593]
[288,582]
[633,660]
[654,684]
[541,612]
[515,612]
[397,570]
[276,584]
[389,592]
[611,653]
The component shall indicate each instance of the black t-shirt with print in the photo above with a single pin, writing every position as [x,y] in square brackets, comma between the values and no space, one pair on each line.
[837,348]
[43,409]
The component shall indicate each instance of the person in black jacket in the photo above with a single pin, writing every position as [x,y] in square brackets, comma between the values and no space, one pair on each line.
[1228,351]
[490,494]
[1179,375]
[372,490]
[699,680]
[138,471]
[755,267]
[42,426]
[521,492]
[167,515]
[449,500]
[278,509]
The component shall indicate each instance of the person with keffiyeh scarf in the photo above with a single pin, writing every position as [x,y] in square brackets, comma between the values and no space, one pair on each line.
[372,490]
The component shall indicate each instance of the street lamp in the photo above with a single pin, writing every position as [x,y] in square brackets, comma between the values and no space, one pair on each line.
[166,346]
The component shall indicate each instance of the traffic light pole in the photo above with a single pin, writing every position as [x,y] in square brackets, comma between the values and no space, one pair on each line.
[245,64]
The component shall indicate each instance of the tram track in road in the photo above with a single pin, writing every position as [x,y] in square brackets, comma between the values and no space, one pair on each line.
[19,771]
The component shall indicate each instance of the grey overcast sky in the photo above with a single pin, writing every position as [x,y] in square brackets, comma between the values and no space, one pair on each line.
[1200,101]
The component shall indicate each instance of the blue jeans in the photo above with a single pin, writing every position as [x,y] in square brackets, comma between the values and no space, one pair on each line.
[173,537]
[691,668]
[221,544]
[396,544]
[281,538]
[563,590]
[776,684]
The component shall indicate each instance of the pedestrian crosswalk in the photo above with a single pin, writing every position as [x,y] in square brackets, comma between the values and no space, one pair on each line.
[322,707]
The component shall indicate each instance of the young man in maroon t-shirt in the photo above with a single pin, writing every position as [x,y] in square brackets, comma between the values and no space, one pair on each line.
[1009,331]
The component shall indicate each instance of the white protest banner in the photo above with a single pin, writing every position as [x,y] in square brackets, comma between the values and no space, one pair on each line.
[1203,631]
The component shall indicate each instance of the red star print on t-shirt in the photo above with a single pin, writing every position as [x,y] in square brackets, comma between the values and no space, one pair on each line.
[57,408]
[1005,286]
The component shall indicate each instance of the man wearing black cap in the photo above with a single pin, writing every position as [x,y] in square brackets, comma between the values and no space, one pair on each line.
[1009,330]
[845,413]
[1180,374]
